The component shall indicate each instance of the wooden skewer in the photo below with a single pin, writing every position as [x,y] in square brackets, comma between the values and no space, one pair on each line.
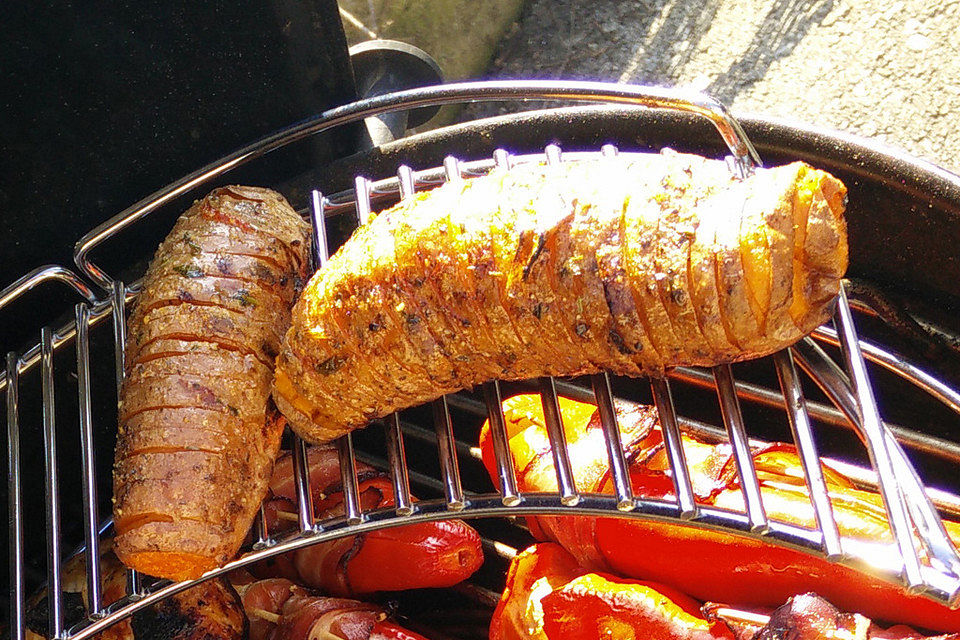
[264,614]
[729,614]
[287,515]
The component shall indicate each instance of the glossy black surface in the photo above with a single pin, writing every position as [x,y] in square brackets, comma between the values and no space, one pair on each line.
[103,103]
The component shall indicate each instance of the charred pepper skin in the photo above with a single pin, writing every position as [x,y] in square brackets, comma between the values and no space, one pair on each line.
[715,566]
[629,265]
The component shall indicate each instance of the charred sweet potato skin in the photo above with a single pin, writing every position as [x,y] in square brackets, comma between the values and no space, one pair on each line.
[629,265]
[197,432]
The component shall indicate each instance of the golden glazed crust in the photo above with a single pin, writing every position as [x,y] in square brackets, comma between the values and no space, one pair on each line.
[630,265]
[197,430]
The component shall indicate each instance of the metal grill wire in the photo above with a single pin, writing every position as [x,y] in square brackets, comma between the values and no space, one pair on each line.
[905,499]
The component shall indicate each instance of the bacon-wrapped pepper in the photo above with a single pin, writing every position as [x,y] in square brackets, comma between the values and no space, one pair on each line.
[280,610]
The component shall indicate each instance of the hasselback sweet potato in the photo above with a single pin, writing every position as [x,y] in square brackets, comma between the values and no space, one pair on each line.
[198,433]
[630,265]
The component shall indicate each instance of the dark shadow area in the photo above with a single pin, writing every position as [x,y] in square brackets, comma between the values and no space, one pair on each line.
[778,35]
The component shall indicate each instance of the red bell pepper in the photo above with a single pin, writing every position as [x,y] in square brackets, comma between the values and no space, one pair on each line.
[704,563]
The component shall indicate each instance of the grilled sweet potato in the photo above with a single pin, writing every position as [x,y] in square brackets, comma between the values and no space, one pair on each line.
[630,265]
[197,430]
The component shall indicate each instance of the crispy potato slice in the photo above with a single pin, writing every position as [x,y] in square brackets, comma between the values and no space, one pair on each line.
[704,283]
[245,268]
[642,235]
[168,483]
[735,310]
[598,206]
[421,252]
[232,329]
[472,241]
[203,232]
[525,256]
[253,209]
[672,259]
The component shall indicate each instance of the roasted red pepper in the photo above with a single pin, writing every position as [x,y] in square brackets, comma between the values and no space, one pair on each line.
[548,596]
[704,563]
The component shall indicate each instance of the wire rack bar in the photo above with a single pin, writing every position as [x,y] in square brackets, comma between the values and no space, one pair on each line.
[260,528]
[611,431]
[91,519]
[501,450]
[558,442]
[118,302]
[46,273]
[876,443]
[52,486]
[733,420]
[301,479]
[446,445]
[809,456]
[353,511]
[18,628]
[397,457]
[673,443]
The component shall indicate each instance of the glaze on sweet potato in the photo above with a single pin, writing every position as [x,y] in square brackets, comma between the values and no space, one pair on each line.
[630,265]
[198,433]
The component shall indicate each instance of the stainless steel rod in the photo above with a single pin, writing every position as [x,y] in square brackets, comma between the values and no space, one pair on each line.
[900,366]
[836,385]
[449,468]
[673,443]
[51,487]
[91,519]
[406,178]
[260,526]
[611,431]
[348,479]
[809,455]
[301,481]
[558,442]
[397,457]
[733,420]
[876,443]
[501,449]
[822,412]
[320,249]
[118,300]
[18,612]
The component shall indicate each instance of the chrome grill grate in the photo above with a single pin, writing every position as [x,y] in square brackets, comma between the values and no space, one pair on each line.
[928,562]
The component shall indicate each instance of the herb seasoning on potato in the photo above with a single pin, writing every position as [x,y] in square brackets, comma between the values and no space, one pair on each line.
[630,264]
[198,432]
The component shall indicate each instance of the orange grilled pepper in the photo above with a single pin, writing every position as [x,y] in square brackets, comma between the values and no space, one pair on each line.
[414,556]
[704,563]
[548,596]
[599,607]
